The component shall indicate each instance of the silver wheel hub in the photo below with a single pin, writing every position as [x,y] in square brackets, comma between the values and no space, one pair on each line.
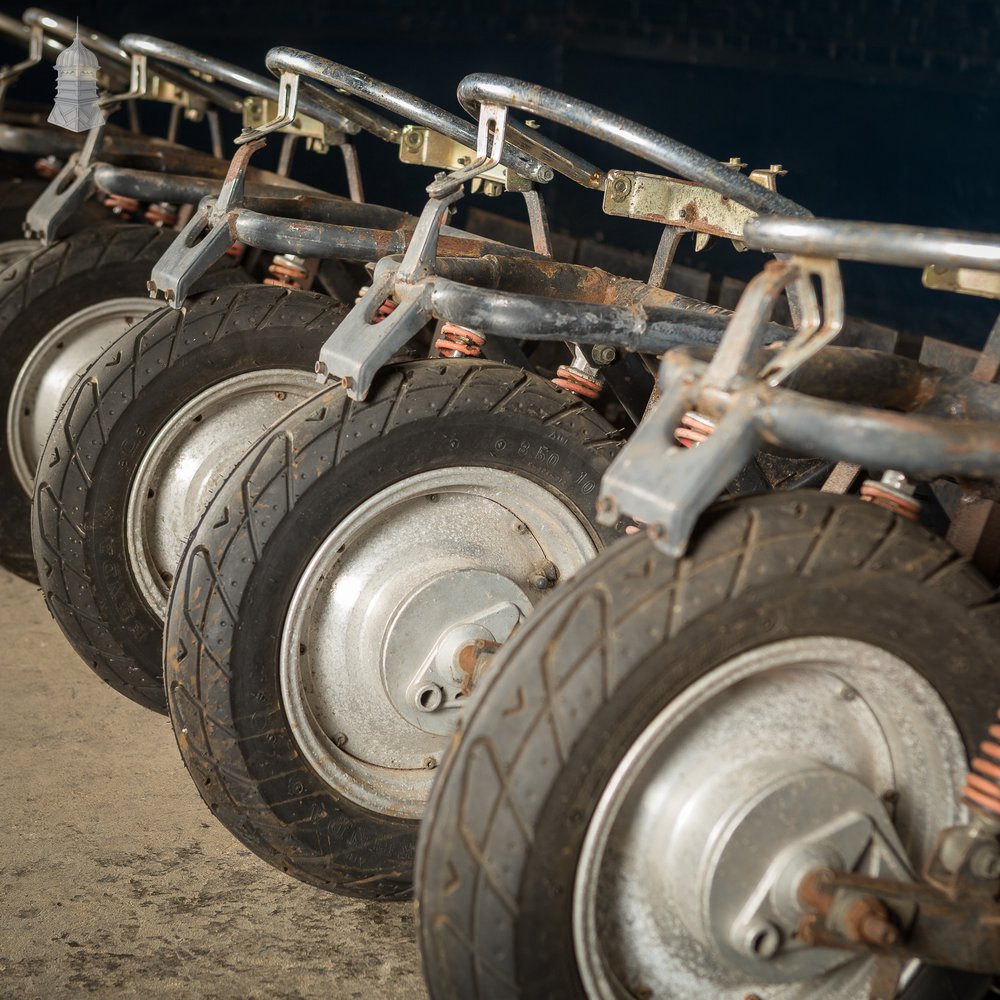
[378,626]
[189,459]
[801,754]
[52,371]
[11,251]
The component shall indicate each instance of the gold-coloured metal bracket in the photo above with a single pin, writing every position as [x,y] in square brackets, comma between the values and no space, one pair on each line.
[964,280]
[261,111]
[670,201]
[425,147]
[146,84]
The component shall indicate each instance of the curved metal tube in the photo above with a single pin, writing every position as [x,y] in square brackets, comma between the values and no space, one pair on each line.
[63,27]
[875,242]
[644,142]
[163,51]
[400,102]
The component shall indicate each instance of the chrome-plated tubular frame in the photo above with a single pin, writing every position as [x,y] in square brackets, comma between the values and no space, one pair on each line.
[355,351]
[931,425]
[284,61]
[64,28]
[487,89]
[316,105]
[875,243]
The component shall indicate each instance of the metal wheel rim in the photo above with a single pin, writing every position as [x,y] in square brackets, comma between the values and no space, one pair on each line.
[925,752]
[405,572]
[11,251]
[188,460]
[52,370]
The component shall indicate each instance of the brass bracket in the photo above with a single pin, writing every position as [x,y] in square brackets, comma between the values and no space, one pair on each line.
[259,111]
[670,201]
[146,84]
[964,280]
[428,148]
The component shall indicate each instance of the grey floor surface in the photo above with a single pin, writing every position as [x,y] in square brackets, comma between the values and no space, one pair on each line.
[116,881]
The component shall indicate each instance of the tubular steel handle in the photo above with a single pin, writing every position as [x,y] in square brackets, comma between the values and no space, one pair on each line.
[504,91]
[162,51]
[875,242]
[65,29]
[413,109]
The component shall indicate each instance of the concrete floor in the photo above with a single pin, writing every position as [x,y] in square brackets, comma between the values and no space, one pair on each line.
[115,880]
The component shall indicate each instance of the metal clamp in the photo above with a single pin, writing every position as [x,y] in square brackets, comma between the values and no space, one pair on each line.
[668,488]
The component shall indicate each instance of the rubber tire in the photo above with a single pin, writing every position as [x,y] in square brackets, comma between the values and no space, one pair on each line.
[18,194]
[44,288]
[258,534]
[503,830]
[101,437]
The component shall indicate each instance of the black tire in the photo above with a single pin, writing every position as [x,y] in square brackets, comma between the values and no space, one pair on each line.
[100,438]
[221,647]
[18,194]
[41,290]
[633,631]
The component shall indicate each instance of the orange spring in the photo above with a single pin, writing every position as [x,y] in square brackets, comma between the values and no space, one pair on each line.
[161,214]
[693,430]
[287,272]
[47,167]
[457,342]
[236,250]
[982,784]
[904,506]
[121,205]
[383,310]
[576,382]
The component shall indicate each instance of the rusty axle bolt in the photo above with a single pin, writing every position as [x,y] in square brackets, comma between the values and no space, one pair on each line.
[860,918]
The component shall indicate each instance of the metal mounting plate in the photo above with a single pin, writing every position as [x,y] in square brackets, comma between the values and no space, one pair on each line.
[425,147]
[965,280]
[672,202]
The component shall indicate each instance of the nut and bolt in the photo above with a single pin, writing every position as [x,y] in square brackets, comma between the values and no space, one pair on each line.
[413,138]
[620,188]
[430,763]
[340,739]
[603,354]
[984,862]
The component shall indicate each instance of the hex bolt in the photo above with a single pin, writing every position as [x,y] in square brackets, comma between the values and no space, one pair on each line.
[413,138]
[603,354]
[620,188]
[763,939]
[985,862]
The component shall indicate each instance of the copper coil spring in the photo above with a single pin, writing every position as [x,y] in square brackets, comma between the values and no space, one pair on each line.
[577,382]
[161,214]
[898,503]
[693,430]
[287,272]
[383,310]
[457,342]
[982,784]
[47,167]
[121,205]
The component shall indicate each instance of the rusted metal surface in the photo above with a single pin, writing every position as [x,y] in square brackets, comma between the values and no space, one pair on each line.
[960,930]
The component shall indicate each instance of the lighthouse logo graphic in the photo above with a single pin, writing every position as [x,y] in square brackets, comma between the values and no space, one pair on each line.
[76,106]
